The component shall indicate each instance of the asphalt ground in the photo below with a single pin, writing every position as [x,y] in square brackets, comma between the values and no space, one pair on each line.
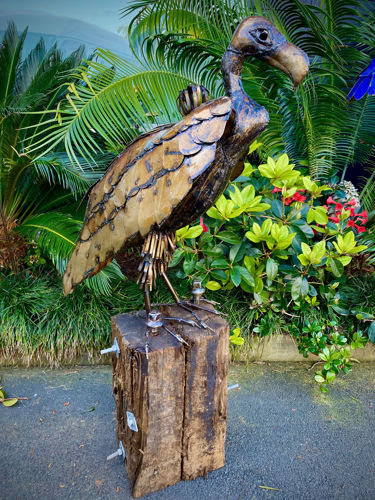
[282,434]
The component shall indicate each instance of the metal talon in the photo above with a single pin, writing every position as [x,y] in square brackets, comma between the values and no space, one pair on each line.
[181,320]
[213,302]
[197,306]
[175,335]
[207,327]
[184,306]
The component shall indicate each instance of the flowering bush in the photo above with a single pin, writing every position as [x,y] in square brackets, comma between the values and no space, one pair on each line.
[272,236]
[280,236]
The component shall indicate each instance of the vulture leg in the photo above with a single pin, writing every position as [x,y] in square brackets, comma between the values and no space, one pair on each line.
[147,299]
[187,306]
[156,252]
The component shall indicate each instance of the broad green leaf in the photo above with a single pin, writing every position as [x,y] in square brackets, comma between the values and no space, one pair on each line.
[214,213]
[177,257]
[194,232]
[220,263]
[189,264]
[229,237]
[271,269]
[330,376]
[249,263]
[247,277]
[213,285]
[303,259]
[285,242]
[337,267]
[276,208]
[345,260]
[10,402]
[258,285]
[254,146]
[306,250]
[233,252]
[236,196]
[219,274]
[236,340]
[248,170]
[296,288]
[235,274]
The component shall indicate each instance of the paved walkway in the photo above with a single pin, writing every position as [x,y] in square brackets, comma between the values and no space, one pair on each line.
[282,434]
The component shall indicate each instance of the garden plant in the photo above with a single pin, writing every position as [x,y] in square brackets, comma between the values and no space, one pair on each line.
[273,236]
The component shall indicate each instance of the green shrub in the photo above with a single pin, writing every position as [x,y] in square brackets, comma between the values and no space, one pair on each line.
[285,241]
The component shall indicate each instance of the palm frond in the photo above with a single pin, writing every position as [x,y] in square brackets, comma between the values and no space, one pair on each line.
[113,105]
[55,234]
[182,41]
[10,58]
[103,282]
[56,168]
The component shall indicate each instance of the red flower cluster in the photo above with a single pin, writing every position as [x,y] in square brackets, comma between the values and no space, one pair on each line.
[204,227]
[357,221]
[296,197]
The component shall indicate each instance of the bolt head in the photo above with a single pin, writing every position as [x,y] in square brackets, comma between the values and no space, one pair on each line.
[154,316]
[154,322]
[197,283]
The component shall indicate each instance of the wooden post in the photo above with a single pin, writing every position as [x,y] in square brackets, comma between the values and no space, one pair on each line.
[178,398]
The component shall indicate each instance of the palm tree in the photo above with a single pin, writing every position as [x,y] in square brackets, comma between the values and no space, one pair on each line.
[38,197]
[182,41]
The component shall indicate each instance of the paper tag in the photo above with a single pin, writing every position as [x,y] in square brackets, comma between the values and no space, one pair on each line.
[132,423]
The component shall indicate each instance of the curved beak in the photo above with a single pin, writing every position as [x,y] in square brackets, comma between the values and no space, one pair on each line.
[291,60]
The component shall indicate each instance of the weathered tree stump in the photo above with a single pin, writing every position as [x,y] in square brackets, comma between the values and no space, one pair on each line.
[178,398]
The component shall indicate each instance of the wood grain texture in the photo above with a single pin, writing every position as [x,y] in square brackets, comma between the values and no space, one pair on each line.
[179,400]
[153,392]
[206,382]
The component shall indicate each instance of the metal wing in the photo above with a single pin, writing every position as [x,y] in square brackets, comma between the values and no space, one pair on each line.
[143,185]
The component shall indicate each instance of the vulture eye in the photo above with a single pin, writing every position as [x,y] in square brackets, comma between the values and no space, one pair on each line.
[262,36]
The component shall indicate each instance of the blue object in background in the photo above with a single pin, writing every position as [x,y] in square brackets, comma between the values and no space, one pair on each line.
[365,83]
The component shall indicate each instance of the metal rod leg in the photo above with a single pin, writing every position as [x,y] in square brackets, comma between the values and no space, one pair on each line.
[147,299]
[179,302]
[173,292]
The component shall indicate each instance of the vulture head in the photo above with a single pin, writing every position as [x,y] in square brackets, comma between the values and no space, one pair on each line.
[258,37]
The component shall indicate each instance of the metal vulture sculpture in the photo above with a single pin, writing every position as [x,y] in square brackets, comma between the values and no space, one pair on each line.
[167,178]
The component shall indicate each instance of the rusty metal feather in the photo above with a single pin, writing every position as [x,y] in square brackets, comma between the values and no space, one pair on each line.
[143,185]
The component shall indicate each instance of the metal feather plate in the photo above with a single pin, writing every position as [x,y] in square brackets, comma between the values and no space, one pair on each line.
[143,186]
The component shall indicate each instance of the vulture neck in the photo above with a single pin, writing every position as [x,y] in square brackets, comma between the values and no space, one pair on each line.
[231,66]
